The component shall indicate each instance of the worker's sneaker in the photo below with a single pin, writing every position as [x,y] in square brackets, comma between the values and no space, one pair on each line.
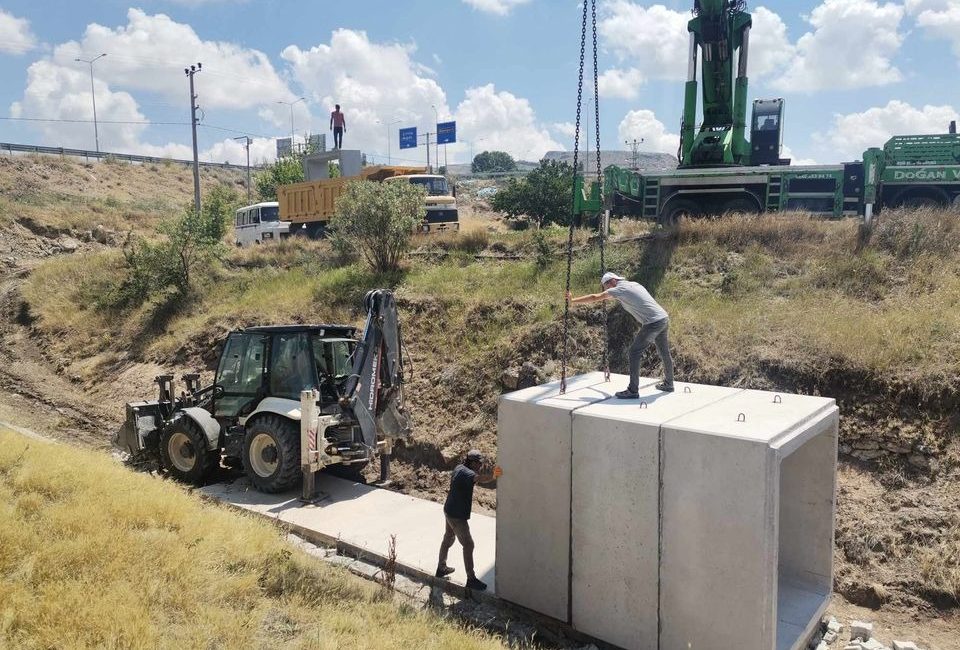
[627,394]
[664,387]
[443,571]
[476,585]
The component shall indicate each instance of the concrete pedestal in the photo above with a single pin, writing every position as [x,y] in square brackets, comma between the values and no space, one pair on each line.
[701,518]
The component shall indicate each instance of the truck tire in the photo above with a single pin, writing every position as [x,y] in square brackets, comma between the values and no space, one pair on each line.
[679,209]
[271,454]
[956,203]
[183,451]
[740,206]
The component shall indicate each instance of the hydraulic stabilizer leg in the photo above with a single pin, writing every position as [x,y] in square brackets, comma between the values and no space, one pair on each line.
[385,455]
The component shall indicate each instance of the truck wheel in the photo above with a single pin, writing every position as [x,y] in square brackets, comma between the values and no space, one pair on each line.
[271,454]
[183,451]
[679,209]
[956,203]
[740,206]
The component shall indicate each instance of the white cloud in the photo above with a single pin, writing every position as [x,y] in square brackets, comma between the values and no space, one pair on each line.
[507,123]
[375,83]
[653,40]
[643,124]
[939,18]
[498,7]
[770,46]
[653,43]
[616,82]
[564,129]
[852,45]
[15,34]
[854,133]
[786,152]
[150,52]
[59,92]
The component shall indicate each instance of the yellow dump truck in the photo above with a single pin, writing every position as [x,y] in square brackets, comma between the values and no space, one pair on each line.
[309,206]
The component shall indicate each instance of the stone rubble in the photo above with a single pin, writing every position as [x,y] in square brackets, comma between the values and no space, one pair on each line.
[861,637]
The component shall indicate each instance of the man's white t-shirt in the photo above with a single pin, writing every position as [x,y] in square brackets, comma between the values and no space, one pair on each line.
[637,301]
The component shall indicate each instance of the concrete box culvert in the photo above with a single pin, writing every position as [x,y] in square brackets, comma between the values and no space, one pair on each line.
[697,519]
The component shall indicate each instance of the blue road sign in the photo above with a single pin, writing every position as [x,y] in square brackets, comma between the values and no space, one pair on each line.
[408,138]
[446,132]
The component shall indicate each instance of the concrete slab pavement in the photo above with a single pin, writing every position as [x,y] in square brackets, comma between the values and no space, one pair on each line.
[365,517]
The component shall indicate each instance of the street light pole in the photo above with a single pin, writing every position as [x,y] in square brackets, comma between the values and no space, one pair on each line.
[436,120]
[93,96]
[246,143]
[290,104]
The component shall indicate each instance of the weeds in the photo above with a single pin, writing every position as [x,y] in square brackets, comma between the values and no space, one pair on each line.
[152,566]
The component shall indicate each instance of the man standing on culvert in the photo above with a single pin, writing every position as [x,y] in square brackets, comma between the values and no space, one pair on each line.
[654,324]
[456,510]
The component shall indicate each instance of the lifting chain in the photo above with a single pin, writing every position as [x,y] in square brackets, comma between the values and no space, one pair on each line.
[576,161]
[601,216]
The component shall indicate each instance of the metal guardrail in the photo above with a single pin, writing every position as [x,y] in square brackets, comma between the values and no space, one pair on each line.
[10,149]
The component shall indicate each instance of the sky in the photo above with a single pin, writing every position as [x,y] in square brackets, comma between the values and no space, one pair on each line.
[853,73]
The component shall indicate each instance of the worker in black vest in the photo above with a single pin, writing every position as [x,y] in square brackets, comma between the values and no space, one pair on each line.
[456,510]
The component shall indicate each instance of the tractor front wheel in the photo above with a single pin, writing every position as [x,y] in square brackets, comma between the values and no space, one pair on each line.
[183,451]
[271,454]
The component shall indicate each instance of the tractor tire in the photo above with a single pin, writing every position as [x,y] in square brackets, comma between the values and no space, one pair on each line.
[679,209]
[183,451]
[271,454]
[740,206]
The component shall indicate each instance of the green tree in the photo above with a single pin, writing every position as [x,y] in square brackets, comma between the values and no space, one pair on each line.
[283,172]
[187,245]
[377,220]
[493,161]
[545,195]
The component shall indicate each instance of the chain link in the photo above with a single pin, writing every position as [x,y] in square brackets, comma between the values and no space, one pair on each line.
[576,160]
[601,221]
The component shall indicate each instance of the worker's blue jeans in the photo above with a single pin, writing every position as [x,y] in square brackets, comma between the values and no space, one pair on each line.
[656,333]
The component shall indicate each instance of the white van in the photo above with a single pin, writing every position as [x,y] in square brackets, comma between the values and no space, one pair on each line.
[258,223]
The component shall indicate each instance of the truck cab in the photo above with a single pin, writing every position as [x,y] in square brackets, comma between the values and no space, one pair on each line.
[441,201]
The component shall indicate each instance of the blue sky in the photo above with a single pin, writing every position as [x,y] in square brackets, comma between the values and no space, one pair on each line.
[853,72]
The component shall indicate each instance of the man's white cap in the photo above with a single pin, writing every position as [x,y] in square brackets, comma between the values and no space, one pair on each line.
[610,276]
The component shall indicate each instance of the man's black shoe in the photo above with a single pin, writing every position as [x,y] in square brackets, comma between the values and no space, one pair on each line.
[476,585]
[443,571]
[664,387]
[627,394]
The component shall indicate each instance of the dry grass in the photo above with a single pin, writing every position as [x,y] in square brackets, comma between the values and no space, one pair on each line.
[93,555]
[70,195]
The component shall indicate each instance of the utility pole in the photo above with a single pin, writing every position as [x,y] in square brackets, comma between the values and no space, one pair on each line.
[246,143]
[427,136]
[192,70]
[93,96]
[388,125]
[634,152]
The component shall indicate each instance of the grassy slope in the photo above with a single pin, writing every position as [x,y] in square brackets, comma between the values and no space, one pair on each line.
[151,566]
[66,195]
[772,302]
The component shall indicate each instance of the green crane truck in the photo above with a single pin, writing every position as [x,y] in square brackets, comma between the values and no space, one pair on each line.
[720,171]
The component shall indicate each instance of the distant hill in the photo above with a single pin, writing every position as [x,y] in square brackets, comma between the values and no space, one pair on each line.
[647,160]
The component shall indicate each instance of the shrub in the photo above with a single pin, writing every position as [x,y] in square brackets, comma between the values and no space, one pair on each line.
[545,195]
[492,161]
[188,244]
[909,233]
[472,241]
[283,172]
[377,221]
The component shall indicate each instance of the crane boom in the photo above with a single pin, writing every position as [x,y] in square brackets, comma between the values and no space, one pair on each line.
[719,32]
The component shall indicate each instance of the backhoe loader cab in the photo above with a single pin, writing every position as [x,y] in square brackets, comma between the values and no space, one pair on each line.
[251,415]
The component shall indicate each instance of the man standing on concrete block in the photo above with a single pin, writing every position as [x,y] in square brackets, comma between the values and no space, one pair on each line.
[456,510]
[654,324]
[338,124]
